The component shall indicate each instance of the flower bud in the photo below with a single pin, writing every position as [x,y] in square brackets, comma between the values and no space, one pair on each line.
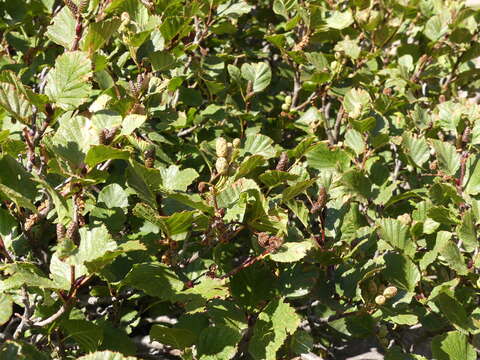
[236,143]
[380,300]
[221,165]
[390,292]
[221,147]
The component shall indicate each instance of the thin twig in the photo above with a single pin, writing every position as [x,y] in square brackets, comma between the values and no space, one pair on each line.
[338,121]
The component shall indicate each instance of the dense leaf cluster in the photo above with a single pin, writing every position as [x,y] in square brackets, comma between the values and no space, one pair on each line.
[219,179]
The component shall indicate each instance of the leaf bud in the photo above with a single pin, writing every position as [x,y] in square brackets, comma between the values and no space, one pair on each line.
[380,300]
[390,292]
[221,165]
[202,187]
[221,147]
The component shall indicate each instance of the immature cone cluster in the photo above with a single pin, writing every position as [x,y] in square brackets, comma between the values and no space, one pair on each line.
[380,300]
[287,103]
[224,152]
[390,292]
[270,243]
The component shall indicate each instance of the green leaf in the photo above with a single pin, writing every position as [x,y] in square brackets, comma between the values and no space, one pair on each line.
[258,144]
[100,153]
[340,20]
[16,183]
[231,193]
[272,178]
[354,140]
[416,148]
[62,31]
[321,157]
[437,26]
[452,346]
[94,243]
[132,122]
[19,350]
[175,179]
[283,7]
[6,310]
[233,8]
[454,311]
[176,338]
[296,189]
[218,343]
[258,73]
[472,181]
[86,334]
[467,231]
[113,195]
[68,83]
[356,101]
[154,279]
[395,234]
[300,211]
[15,103]
[24,274]
[176,224]
[291,251]
[73,139]
[454,258]
[401,271]
[273,325]
[249,164]
[106,355]
[302,342]
[161,60]
[449,115]
[447,156]
[357,182]
[361,325]
[99,33]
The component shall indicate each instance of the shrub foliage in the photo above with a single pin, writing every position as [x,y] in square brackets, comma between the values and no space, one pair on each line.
[218,179]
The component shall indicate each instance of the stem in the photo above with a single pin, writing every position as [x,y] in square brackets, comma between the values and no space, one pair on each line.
[250,261]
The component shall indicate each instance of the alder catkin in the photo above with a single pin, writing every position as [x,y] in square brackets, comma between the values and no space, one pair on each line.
[149,158]
[72,232]
[61,232]
[282,162]
[102,137]
[72,6]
